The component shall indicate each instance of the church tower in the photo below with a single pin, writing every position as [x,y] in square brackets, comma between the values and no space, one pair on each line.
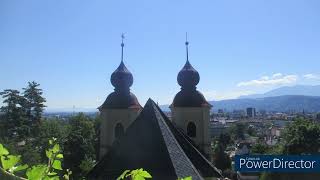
[190,110]
[120,108]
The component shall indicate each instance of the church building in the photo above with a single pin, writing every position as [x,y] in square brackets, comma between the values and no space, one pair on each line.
[133,137]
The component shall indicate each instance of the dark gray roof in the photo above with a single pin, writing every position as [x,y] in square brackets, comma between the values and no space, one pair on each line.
[205,168]
[153,143]
[120,100]
[190,98]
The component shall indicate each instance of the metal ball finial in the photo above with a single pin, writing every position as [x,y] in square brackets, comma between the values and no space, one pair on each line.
[187,43]
[122,38]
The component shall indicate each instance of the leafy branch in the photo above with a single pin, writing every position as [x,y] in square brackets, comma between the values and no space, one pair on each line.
[137,174]
[10,164]
[140,174]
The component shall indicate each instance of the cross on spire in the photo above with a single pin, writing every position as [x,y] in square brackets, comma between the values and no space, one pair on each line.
[122,45]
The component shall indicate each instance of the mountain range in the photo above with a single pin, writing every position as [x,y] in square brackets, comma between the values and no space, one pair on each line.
[286,103]
[290,98]
[304,90]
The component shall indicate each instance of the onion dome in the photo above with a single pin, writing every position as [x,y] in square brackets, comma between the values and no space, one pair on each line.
[190,99]
[188,78]
[122,80]
[117,100]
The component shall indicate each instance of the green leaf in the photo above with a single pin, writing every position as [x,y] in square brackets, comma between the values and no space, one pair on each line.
[60,156]
[57,165]
[3,150]
[123,175]
[52,173]
[50,141]
[51,178]
[56,148]
[37,172]
[145,174]
[20,168]
[186,178]
[67,175]
[48,154]
[140,174]
[9,161]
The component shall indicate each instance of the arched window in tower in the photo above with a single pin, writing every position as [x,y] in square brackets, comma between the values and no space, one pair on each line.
[118,131]
[191,129]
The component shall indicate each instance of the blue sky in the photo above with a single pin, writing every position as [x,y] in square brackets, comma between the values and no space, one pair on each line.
[239,47]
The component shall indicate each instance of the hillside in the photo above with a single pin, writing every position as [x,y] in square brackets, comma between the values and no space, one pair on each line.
[277,103]
[304,90]
[285,103]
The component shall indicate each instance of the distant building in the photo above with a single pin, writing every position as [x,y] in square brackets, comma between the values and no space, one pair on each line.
[217,128]
[251,112]
[238,114]
[263,112]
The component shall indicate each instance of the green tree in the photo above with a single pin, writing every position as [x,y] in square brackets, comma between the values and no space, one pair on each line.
[18,115]
[14,118]
[251,131]
[238,130]
[259,148]
[34,104]
[221,159]
[302,137]
[79,146]
[97,124]
[225,139]
[52,127]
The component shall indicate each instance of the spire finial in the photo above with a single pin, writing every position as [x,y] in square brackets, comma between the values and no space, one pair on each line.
[122,45]
[187,50]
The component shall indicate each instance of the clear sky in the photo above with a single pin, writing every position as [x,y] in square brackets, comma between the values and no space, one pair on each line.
[239,47]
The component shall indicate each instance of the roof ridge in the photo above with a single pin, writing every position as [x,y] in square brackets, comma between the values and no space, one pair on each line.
[182,134]
[160,117]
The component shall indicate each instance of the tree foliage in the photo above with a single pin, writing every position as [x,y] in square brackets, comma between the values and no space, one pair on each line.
[11,164]
[22,111]
[302,137]
[259,148]
[221,159]
[251,131]
[14,118]
[79,146]
[238,130]
[225,139]
[20,120]
[34,103]
[137,174]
